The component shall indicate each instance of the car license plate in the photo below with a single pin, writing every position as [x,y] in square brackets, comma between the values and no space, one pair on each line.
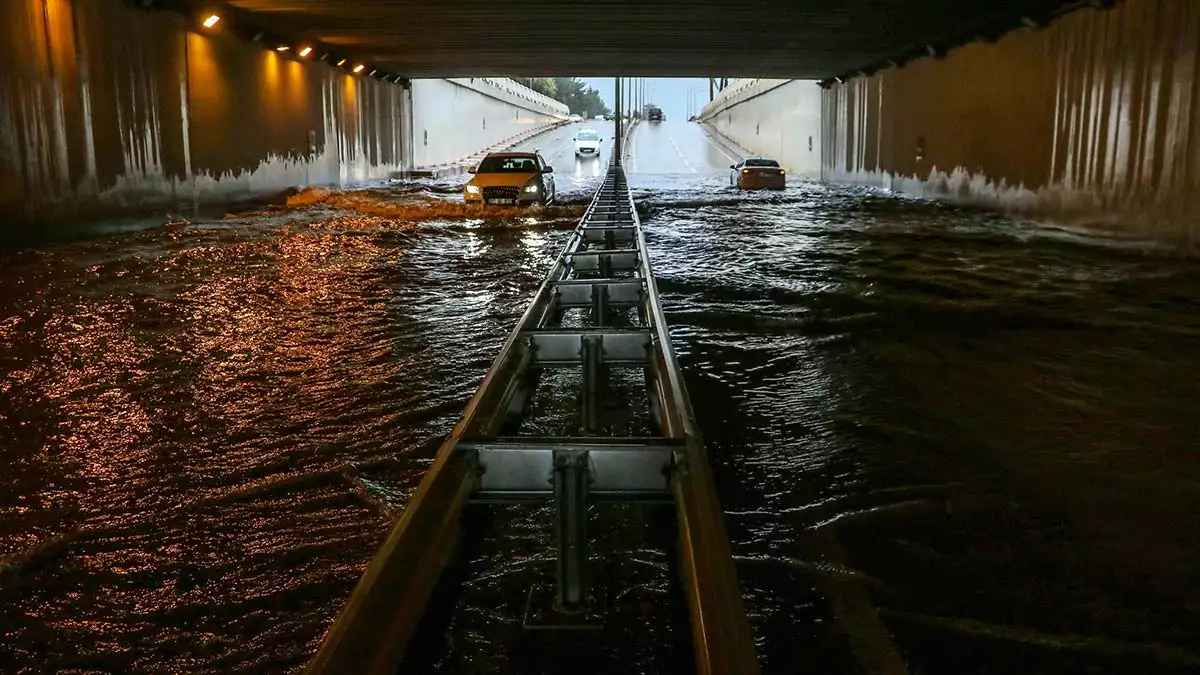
[503,201]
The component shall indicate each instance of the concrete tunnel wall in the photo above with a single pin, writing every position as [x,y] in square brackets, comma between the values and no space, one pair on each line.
[1093,121]
[106,109]
[780,119]
[456,118]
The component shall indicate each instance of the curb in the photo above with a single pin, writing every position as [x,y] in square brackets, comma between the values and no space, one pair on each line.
[460,167]
[627,139]
[727,142]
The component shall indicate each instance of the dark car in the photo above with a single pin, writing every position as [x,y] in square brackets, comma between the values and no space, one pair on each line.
[655,115]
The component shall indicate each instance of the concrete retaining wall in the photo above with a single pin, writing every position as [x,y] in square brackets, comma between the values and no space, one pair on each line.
[107,109]
[456,118]
[780,119]
[1094,120]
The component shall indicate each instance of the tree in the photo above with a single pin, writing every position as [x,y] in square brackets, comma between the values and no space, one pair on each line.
[544,85]
[578,97]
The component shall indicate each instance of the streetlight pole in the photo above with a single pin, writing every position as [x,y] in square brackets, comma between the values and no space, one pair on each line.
[693,102]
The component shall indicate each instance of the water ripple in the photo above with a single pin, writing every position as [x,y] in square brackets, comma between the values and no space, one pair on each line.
[207,429]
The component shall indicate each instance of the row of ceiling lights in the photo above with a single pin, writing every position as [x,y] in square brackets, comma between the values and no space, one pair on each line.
[212,20]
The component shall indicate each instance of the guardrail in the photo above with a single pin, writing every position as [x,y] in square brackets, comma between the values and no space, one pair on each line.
[739,91]
[515,93]
[605,271]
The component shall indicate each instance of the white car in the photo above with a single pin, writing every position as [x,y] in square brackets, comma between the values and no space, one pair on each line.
[575,117]
[587,143]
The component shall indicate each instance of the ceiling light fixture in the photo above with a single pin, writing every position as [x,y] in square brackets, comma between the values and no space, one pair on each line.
[211,21]
[306,51]
[359,68]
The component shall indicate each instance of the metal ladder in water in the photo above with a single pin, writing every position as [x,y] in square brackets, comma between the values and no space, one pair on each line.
[605,271]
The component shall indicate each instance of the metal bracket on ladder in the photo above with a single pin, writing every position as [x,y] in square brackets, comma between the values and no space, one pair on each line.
[612,346]
[520,468]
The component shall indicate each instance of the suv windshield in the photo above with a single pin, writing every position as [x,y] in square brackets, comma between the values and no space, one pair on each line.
[507,165]
[761,162]
[587,135]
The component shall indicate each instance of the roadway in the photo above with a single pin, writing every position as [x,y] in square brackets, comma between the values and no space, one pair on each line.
[671,147]
[675,147]
[571,173]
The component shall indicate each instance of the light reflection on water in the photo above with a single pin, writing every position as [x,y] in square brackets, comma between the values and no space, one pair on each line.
[207,430]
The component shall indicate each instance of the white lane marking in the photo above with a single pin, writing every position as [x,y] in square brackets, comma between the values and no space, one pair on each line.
[680,153]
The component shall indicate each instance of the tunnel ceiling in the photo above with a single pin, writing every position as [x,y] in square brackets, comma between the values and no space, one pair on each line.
[806,39]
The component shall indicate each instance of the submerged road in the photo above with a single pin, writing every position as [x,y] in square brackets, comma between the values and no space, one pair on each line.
[984,427]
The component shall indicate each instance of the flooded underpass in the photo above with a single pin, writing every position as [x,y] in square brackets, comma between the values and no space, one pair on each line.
[973,433]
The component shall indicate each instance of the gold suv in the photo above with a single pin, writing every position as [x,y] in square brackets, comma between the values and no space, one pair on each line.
[511,178]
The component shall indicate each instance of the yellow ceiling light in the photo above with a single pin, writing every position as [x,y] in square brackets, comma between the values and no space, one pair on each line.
[306,51]
[359,68]
[211,21]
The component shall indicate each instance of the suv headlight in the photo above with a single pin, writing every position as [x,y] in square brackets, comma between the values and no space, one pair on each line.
[531,188]
[473,189]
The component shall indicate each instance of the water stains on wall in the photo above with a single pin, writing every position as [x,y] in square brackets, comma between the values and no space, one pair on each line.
[105,108]
[1094,120]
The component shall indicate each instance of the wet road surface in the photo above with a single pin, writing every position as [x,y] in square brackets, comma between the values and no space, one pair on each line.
[985,428]
[674,147]
[573,173]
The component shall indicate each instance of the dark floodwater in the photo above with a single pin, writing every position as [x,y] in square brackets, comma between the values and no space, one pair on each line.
[985,429]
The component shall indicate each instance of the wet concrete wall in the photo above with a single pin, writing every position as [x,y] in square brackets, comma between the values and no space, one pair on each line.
[107,109]
[1093,121]
[456,118]
[780,119]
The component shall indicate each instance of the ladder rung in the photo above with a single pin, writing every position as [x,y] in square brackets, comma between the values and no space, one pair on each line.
[620,259]
[599,233]
[618,347]
[523,468]
[578,292]
[611,217]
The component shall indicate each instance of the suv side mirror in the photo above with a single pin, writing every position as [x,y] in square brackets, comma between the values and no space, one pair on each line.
[471,170]
[732,166]
[548,169]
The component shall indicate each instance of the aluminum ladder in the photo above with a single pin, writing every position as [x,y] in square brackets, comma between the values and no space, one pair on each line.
[605,271]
